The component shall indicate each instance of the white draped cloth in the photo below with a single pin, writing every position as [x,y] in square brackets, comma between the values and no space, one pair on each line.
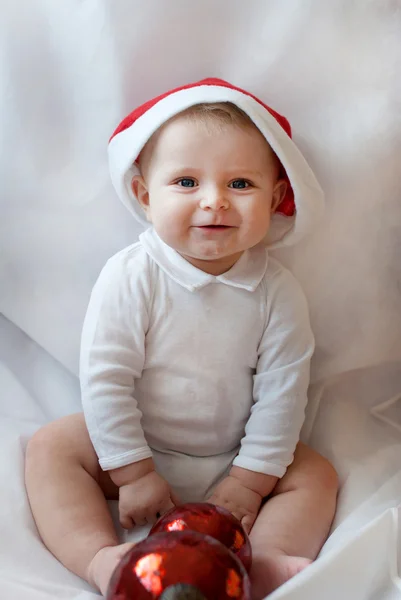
[69,71]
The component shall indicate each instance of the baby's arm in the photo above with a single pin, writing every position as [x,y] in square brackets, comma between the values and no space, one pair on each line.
[112,358]
[280,396]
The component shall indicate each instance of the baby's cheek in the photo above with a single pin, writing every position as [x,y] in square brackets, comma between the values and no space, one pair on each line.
[172,220]
[169,229]
[256,227]
[261,221]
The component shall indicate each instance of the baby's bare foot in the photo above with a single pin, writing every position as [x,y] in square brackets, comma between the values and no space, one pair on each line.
[103,564]
[272,570]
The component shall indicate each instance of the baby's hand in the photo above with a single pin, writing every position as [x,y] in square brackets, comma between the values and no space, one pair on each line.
[241,501]
[144,500]
[144,495]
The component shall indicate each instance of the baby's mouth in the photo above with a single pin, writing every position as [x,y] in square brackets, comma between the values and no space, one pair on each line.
[215,227]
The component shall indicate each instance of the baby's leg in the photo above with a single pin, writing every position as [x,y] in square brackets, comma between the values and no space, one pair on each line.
[294,523]
[66,490]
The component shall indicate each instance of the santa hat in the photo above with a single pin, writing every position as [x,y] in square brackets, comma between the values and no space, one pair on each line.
[301,207]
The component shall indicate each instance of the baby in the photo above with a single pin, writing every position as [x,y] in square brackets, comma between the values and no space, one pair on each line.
[196,346]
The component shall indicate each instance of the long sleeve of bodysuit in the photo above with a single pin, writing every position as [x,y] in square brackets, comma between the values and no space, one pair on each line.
[112,358]
[281,380]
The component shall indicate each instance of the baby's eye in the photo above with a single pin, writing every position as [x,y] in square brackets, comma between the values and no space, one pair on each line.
[186,182]
[239,184]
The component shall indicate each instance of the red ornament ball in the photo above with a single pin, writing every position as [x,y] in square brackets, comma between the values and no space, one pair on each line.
[180,565]
[211,520]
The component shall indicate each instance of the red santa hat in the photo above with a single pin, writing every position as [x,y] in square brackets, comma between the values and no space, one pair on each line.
[303,203]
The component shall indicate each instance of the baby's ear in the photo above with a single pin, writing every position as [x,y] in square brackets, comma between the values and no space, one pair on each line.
[279,192]
[140,190]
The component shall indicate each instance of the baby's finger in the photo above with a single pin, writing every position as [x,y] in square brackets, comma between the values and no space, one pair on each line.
[175,499]
[167,505]
[151,517]
[247,522]
[219,502]
[126,521]
[236,513]
[140,520]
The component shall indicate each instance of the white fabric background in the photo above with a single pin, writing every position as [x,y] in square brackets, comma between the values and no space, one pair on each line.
[68,72]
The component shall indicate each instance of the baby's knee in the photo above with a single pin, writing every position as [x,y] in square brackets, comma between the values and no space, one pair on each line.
[64,440]
[310,470]
[325,473]
[316,467]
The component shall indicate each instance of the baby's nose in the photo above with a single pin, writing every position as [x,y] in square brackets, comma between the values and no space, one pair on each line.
[215,200]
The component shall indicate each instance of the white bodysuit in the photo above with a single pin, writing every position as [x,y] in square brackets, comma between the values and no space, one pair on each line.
[195,370]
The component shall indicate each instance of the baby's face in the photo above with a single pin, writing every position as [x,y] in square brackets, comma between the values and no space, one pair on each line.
[209,192]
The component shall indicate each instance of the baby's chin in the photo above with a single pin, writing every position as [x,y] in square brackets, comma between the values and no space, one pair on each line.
[209,251]
[204,252]
[212,263]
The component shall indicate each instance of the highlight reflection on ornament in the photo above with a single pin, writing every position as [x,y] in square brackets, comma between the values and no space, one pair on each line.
[179,565]
[150,571]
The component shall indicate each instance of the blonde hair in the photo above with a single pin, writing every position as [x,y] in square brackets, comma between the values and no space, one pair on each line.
[217,114]
[214,117]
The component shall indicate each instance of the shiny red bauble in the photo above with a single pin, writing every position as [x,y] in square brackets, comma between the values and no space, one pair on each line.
[211,520]
[179,565]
